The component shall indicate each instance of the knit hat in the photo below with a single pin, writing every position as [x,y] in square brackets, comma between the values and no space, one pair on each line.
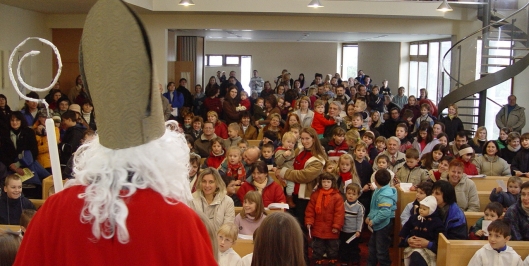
[431,203]
[42,113]
[75,107]
[466,150]
[271,135]
[56,118]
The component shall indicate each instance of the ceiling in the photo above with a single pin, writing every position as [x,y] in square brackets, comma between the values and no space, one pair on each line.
[303,36]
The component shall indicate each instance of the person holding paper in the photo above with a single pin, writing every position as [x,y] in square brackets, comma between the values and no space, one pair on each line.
[493,211]
[354,220]
[507,195]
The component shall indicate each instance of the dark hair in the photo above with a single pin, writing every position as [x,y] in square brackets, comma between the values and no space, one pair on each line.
[272,100]
[9,244]
[26,216]
[69,115]
[500,226]
[524,185]
[462,134]
[260,166]
[426,186]
[441,124]
[268,146]
[62,99]
[182,79]
[170,83]
[412,153]
[448,191]
[20,116]
[382,176]
[354,187]
[318,75]
[338,131]
[442,134]
[227,179]
[496,207]
[382,156]
[425,126]
[484,148]
[327,176]
[427,158]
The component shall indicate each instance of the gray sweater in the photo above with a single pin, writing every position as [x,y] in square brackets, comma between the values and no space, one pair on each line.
[354,217]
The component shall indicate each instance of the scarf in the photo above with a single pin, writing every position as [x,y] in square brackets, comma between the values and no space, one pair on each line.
[346,176]
[451,116]
[327,195]
[259,187]
[513,149]
[237,171]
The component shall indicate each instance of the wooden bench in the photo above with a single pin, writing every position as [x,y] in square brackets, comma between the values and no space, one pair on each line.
[253,143]
[489,182]
[14,228]
[459,252]
[243,247]
[47,184]
[37,202]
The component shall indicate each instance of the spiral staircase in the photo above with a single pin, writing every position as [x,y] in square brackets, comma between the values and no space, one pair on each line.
[504,55]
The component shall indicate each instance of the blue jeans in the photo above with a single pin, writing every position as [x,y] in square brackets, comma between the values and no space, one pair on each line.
[379,244]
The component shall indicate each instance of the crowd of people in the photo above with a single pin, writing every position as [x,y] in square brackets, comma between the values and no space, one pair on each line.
[338,149]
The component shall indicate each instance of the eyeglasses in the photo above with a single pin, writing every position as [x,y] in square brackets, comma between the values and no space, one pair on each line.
[224,239]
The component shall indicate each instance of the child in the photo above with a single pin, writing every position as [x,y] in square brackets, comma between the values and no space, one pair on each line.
[364,171]
[337,145]
[426,224]
[519,166]
[424,189]
[10,242]
[231,188]
[246,130]
[425,116]
[466,153]
[330,166]
[493,211]
[259,112]
[411,172]
[252,214]
[324,218]
[382,162]
[243,145]
[25,219]
[217,154]
[496,252]
[435,174]
[226,237]
[267,153]
[346,172]
[360,108]
[380,219]
[354,219]
[271,137]
[244,101]
[233,136]
[233,165]
[376,100]
[509,197]
[432,159]
[284,157]
[351,138]
[502,138]
[402,133]
[369,138]
[194,165]
[296,129]
[12,202]
[357,123]
[320,122]
[380,143]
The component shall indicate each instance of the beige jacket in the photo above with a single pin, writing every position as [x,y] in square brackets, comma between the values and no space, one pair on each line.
[219,212]
[492,166]
[307,178]
[466,194]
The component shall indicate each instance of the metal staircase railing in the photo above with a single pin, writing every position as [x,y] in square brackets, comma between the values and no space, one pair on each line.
[504,54]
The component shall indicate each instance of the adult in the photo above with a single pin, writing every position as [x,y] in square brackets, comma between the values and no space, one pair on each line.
[212,84]
[198,101]
[412,106]
[175,97]
[267,90]
[188,98]
[341,96]
[362,91]
[334,112]
[280,91]
[256,83]
[12,202]
[318,80]
[511,115]
[301,80]
[54,98]
[246,130]
[230,106]
[438,127]
[42,140]
[133,173]
[232,80]
[211,198]
[423,99]
[5,111]
[396,158]
[261,182]
[76,90]
[518,217]
[453,219]
[71,139]
[367,82]
[221,129]
[513,147]
[270,109]
[203,144]
[465,189]
[304,113]
[361,76]
[400,99]
[280,242]
[452,123]
[490,163]
[274,125]
[250,156]
[30,108]
[88,115]
[308,165]
[63,106]
[349,112]
[390,125]
[460,140]
[388,104]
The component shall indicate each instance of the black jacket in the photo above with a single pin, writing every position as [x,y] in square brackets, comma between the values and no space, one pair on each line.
[70,142]
[11,209]
[26,141]
[520,161]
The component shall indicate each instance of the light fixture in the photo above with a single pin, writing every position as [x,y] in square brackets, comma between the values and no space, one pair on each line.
[186,3]
[315,4]
[444,7]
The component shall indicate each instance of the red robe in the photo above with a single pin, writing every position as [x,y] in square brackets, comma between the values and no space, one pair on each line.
[160,234]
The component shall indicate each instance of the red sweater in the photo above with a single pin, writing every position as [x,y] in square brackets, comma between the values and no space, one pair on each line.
[320,122]
[213,104]
[331,216]
[272,193]
[221,130]
[215,160]
[56,236]
[470,168]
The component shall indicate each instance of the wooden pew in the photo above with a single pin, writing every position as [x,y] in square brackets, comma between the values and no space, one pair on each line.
[253,143]
[472,218]
[459,252]
[243,247]
[489,182]
[14,228]
[37,202]
[47,184]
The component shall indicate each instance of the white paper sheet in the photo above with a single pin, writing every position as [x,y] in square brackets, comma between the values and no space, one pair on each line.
[484,227]
[406,186]
[501,184]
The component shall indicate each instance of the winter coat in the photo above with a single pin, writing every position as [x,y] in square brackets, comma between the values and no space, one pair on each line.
[250,134]
[307,121]
[508,153]
[414,175]
[336,150]
[307,176]
[26,141]
[319,123]
[331,217]
[452,126]
[519,163]
[466,194]
[428,228]
[231,115]
[202,145]
[272,193]
[213,104]
[519,220]
[221,130]
[11,209]
[42,143]
[506,199]
[491,166]
[178,98]
[383,206]
[220,211]
[515,119]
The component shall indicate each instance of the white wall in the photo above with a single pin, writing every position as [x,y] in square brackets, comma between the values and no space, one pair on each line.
[16,25]
[381,60]
[271,58]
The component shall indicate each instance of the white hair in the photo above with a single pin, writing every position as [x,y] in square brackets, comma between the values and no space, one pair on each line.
[112,175]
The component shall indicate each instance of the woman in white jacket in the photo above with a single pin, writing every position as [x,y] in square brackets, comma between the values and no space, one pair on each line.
[304,113]
[490,163]
[211,199]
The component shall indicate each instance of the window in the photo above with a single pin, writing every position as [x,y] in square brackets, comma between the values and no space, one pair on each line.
[232,60]
[213,60]
[222,60]
[349,61]
[426,71]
